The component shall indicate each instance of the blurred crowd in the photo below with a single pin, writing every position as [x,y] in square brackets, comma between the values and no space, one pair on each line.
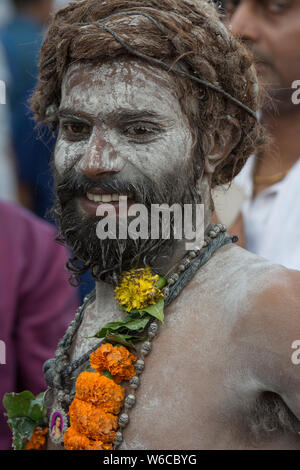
[25,150]
[36,300]
[262,206]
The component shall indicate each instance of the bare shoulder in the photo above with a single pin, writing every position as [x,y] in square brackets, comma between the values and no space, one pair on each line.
[271,291]
[266,295]
[257,279]
[266,326]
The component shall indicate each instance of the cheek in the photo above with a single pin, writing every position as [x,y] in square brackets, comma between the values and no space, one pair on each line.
[66,154]
[157,159]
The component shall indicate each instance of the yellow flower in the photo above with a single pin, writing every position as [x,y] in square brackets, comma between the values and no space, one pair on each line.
[137,289]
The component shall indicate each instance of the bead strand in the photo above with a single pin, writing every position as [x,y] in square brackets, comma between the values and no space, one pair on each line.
[153,329]
[172,278]
[134,383]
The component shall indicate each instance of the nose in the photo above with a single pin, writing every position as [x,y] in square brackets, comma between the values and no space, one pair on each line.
[100,157]
[244,21]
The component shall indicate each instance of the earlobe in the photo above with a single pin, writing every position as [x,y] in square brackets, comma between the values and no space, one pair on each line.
[226,139]
[211,162]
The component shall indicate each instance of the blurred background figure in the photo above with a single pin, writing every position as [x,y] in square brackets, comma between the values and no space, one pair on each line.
[59,4]
[21,37]
[269,219]
[36,302]
[8,180]
[6,11]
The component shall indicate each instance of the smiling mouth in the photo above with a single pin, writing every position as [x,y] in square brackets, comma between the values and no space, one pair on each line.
[98,198]
[90,202]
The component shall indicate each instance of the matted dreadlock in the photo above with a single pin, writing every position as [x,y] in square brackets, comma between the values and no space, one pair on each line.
[185,36]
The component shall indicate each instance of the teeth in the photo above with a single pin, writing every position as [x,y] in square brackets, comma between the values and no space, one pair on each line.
[106,197]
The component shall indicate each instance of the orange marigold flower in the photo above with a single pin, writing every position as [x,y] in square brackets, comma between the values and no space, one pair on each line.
[120,363]
[98,357]
[100,391]
[116,359]
[92,421]
[38,439]
[107,447]
[73,440]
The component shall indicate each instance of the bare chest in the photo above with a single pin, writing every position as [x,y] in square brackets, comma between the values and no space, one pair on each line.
[187,393]
[199,385]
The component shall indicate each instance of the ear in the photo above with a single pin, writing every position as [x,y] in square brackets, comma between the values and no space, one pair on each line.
[226,139]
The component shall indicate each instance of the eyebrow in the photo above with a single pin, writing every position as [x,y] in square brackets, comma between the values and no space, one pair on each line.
[120,115]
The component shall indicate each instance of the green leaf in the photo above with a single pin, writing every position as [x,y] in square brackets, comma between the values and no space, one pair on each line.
[37,412]
[156,310]
[162,281]
[132,316]
[22,429]
[108,327]
[134,324]
[137,324]
[122,339]
[25,412]
[134,313]
[107,374]
[17,404]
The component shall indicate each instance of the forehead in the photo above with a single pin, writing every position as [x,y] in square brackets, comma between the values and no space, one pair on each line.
[116,84]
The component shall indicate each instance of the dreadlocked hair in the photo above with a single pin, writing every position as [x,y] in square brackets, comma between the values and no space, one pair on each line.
[190,34]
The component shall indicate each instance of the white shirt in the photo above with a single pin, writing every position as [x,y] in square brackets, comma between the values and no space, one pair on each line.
[272,218]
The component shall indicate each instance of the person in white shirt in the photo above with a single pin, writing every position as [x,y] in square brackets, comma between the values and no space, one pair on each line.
[57,4]
[269,220]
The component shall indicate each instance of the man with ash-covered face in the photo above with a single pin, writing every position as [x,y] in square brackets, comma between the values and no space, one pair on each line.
[220,373]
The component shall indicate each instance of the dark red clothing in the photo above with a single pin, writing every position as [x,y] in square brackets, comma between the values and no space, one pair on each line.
[36,302]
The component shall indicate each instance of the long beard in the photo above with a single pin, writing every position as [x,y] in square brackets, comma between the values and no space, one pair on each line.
[109,257]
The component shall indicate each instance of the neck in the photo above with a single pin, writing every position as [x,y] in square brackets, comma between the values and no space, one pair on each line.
[163,267]
[284,149]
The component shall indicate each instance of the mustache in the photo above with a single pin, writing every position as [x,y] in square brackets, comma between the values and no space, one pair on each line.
[73,184]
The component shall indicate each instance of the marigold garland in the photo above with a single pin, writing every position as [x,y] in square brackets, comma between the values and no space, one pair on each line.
[92,421]
[100,391]
[116,360]
[73,440]
[137,289]
[99,399]
[38,439]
